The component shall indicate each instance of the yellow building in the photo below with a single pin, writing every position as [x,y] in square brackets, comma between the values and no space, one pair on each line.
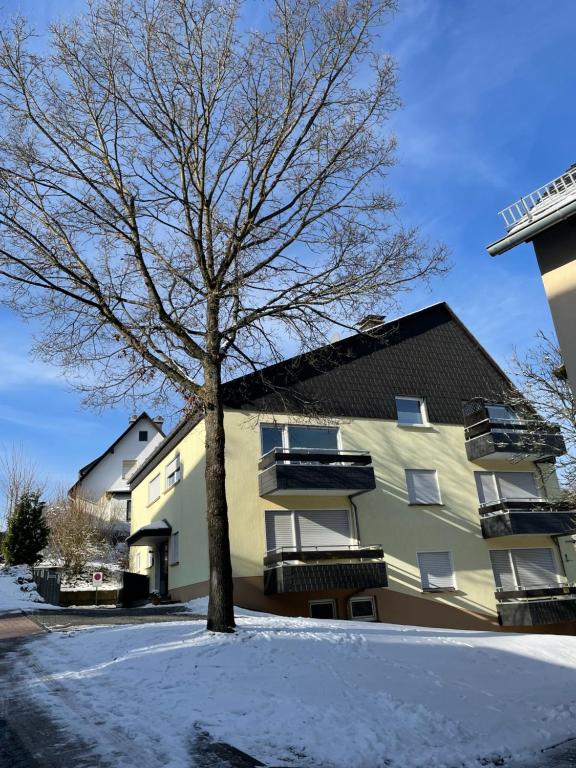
[547,218]
[380,478]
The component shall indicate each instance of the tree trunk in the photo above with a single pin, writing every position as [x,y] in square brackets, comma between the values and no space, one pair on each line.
[221,601]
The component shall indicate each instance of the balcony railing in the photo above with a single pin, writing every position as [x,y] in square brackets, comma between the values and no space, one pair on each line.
[321,569]
[303,470]
[554,193]
[538,604]
[520,517]
[530,438]
[324,553]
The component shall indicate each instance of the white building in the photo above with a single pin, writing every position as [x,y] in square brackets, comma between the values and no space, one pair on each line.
[104,480]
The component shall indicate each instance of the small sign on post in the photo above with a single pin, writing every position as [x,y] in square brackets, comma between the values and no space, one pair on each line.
[97,578]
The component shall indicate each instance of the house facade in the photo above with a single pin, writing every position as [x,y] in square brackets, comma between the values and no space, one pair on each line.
[381,478]
[104,481]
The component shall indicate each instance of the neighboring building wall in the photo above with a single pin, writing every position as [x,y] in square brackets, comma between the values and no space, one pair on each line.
[384,518]
[556,252]
[106,476]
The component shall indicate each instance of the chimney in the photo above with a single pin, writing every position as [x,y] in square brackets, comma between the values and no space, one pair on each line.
[133,418]
[370,322]
[159,421]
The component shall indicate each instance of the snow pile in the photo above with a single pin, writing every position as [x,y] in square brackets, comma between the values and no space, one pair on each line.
[17,588]
[299,692]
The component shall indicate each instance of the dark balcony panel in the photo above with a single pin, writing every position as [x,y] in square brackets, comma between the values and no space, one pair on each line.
[321,577]
[501,442]
[308,478]
[518,523]
[531,613]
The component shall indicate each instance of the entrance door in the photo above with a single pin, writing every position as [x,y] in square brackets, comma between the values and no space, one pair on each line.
[163,569]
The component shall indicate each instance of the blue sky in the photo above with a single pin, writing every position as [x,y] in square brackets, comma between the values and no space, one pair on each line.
[488,115]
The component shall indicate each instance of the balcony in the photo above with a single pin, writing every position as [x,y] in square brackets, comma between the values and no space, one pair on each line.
[290,472]
[548,604]
[490,437]
[314,569]
[518,517]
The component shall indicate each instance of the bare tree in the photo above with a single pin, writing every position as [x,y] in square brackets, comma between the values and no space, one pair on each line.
[74,532]
[541,376]
[18,475]
[179,191]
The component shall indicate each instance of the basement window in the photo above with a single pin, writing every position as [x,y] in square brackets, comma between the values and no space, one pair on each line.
[322,609]
[362,608]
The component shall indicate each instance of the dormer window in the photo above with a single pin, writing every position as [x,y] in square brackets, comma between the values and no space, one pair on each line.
[143,436]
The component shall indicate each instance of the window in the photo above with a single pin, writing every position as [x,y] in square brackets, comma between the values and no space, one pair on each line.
[501,413]
[137,562]
[128,510]
[127,467]
[143,435]
[322,609]
[297,436]
[174,548]
[150,563]
[362,608]
[154,489]
[411,411]
[320,528]
[422,485]
[494,486]
[436,571]
[524,568]
[173,471]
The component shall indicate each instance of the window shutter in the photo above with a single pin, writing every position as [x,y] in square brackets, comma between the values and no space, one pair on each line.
[486,486]
[535,567]
[154,489]
[517,485]
[502,569]
[324,528]
[422,485]
[436,570]
[279,530]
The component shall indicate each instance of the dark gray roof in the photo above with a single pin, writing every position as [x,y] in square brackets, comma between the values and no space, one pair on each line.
[429,354]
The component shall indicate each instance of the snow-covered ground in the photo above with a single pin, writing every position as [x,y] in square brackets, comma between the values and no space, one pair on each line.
[300,692]
[17,589]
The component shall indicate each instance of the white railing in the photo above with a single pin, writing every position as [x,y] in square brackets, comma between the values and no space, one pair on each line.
[552,193]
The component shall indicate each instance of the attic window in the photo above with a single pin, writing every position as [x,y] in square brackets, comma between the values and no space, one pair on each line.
[411,411]
[143,435]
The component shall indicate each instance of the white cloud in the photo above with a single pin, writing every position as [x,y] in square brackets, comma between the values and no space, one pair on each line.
[19,371]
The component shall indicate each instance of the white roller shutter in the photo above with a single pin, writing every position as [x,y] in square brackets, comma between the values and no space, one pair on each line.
[436,570]
[279,530]
[535,567]
[502,569]
[422,485]
[324,528]
[517,485]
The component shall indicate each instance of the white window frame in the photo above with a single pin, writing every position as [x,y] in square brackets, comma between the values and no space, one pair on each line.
[414,503]
[153,480]
[330,601]
[176,473]
[150,558]
[132,463]
[137,562]
[560,576]
[423,411]
[285,439]
[174,550]
[434,590]
[359,599]
[354,541]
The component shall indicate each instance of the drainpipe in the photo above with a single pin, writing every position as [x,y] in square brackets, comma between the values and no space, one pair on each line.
[355,509]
